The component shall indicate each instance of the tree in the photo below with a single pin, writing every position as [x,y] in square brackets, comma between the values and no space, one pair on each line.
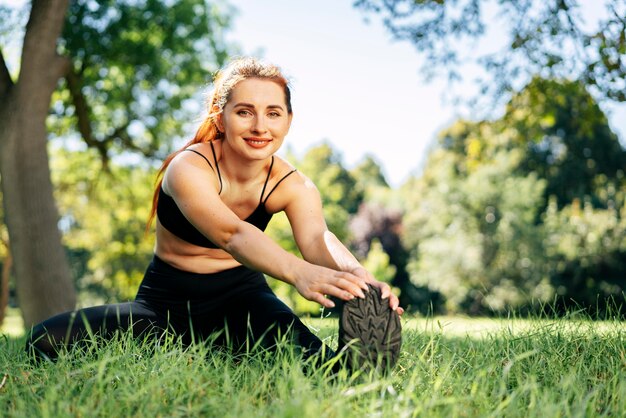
[124,66]
[43,279]
[137,68]
[378,227]
[473,236]
[481,230]
[586,249]
[567,138]
[548,38]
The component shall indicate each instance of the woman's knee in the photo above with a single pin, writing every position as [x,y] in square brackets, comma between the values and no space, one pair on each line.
[41,344]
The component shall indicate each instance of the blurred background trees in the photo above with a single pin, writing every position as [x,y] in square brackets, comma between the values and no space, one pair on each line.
[512,212]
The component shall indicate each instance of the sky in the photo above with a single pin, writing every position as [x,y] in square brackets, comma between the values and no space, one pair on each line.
[353,86]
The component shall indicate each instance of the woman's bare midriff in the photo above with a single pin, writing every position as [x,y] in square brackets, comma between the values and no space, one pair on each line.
[189,257]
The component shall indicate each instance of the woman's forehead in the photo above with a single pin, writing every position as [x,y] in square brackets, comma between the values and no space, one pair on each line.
[257,91]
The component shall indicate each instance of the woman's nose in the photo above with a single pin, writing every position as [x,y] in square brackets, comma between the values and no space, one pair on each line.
[259,124]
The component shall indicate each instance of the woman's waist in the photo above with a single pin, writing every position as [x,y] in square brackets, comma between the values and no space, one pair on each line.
[208,261]
[167,282]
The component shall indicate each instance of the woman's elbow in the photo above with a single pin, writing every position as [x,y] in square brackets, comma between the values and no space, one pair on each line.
[232,239]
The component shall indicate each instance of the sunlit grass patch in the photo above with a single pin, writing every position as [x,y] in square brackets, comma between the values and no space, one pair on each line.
[13,324]
[517,368]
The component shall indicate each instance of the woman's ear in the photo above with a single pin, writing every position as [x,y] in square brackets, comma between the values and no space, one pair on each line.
[219,123]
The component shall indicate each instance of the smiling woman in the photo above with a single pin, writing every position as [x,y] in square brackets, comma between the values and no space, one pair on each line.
[212,203]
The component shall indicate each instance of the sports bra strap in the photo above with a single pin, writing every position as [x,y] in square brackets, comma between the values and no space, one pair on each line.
[219,175]
[267,179]
[279,181]
[205,159]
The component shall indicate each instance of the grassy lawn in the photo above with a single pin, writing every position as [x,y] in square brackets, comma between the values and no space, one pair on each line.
[450,367]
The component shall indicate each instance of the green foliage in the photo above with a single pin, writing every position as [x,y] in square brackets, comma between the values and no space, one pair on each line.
[377,263]
[135,67]
[473,236]
[554,38]
[587,252]
[568,139]
[103,218]
[475,221]
[370,179]
[324,166]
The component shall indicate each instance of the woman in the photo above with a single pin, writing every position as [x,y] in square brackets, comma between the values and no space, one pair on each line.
[214,198]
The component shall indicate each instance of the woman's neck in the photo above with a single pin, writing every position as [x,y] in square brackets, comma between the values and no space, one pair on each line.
[238,169]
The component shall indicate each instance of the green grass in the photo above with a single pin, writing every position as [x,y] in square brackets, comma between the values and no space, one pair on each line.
[450,367]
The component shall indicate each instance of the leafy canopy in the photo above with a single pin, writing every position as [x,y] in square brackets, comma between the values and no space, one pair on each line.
[550,38]
[137,68]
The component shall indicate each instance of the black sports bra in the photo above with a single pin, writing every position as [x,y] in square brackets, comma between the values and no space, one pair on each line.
[174,221]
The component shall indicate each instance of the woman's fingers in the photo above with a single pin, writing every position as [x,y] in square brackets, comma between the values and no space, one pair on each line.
[385,292]
[394,302]
[350,286]
[319,298]
[357,280]
[330,290]
[345,286]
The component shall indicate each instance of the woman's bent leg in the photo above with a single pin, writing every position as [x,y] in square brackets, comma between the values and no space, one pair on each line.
[66,329]
[261,318]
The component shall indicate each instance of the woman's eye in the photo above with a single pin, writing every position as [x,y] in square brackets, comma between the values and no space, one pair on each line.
[243,113]
[274,114]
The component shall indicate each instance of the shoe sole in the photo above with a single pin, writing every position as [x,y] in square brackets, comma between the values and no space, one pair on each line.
[370,331]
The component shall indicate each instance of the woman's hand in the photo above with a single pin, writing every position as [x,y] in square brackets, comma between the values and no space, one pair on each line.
[385,289]
[315,282]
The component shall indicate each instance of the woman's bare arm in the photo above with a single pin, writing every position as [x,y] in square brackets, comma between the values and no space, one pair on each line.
[191,186]
[320,246]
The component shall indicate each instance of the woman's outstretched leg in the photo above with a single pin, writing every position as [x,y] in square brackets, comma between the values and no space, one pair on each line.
[66,329]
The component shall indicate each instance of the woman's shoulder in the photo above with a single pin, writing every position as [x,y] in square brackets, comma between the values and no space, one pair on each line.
[282,165]
[287,180]
[198,155]
[187,163]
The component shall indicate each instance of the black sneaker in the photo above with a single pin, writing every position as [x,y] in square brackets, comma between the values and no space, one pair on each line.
[370,332]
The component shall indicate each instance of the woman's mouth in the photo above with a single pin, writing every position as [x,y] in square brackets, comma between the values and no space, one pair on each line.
[258,142]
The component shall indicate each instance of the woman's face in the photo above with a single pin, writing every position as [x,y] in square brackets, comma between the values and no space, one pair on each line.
[255,119]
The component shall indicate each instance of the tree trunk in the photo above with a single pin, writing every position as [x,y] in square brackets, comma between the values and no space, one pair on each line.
[4,285]
[43,279]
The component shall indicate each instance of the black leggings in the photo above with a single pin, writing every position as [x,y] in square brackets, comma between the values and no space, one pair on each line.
[235,307]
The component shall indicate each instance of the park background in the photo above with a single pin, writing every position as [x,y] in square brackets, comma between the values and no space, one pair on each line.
[478,187]
[469,152]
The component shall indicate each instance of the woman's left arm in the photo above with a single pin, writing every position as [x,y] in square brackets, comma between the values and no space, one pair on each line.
[320,246]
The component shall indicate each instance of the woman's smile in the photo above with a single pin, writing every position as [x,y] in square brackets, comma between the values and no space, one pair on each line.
[257,142]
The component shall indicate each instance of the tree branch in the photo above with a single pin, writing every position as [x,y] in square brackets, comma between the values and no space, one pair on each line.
[121,134]
[6,82]
[83,116]
[81,107]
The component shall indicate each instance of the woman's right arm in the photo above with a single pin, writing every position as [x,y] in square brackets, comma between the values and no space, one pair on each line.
[194,189]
